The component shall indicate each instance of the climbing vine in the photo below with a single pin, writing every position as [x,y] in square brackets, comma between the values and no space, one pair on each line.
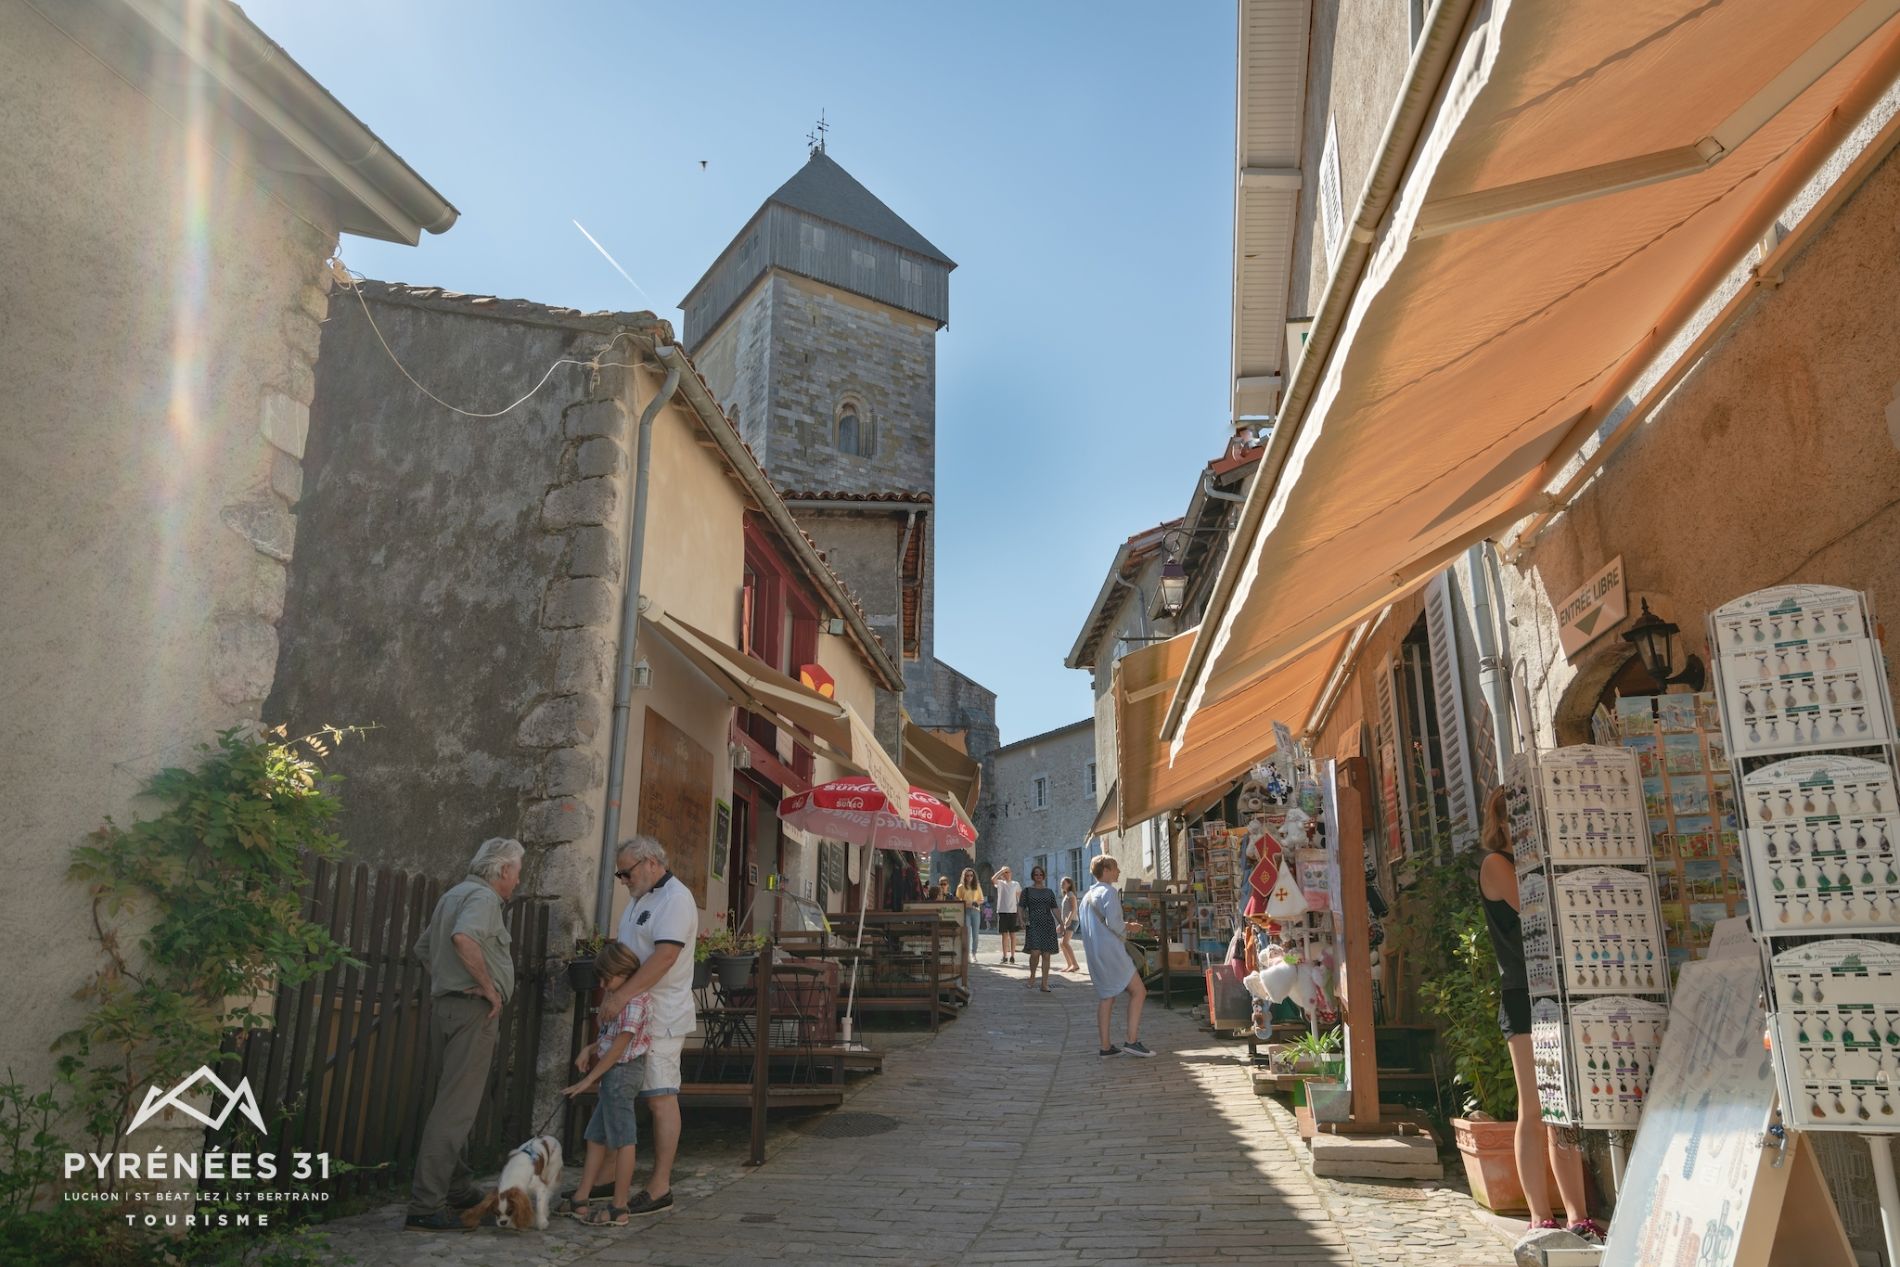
[214,882]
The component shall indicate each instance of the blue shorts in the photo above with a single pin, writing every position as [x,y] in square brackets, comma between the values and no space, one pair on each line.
[613,1123]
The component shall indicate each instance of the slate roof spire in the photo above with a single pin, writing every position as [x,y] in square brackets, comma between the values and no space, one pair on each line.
[824,189]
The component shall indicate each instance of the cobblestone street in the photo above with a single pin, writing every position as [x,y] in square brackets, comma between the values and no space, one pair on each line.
[1013,1143]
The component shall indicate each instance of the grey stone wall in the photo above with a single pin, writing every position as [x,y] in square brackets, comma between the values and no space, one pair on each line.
[736,363]
[457,586]
[1018,831]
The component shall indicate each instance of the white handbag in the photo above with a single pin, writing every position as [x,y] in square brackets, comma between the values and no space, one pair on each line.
[1286,900]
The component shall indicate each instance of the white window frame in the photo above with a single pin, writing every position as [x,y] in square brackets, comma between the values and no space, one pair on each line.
[1039,792]
[1090,778]
[1148,843]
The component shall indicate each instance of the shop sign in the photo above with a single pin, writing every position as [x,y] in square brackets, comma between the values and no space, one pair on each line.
[1600,603]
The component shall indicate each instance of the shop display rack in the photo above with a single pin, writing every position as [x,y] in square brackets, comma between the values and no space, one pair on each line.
[1807,717]
[1589,930]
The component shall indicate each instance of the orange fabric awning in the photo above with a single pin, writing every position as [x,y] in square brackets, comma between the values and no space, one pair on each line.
[1228,738]
[1591,175]
[937,765]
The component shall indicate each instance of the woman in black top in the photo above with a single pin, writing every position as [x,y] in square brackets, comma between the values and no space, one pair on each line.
[1497,884]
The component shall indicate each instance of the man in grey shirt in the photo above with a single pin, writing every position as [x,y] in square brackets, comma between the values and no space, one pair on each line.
[466,948]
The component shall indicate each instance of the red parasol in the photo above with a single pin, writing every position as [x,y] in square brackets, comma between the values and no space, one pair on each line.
[857,812]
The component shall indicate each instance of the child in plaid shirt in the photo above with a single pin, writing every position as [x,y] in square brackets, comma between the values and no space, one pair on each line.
[617,1062]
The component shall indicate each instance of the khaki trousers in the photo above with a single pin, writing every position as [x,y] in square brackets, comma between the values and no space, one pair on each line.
[462,1039]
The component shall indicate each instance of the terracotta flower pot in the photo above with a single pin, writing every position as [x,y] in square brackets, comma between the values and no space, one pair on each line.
[1491,1165]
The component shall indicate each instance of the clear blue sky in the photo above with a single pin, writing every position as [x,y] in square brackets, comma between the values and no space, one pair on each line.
[1074,158]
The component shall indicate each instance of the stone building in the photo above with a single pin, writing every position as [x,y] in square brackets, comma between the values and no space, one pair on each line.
[1041,798]
[816,328]
[165,280]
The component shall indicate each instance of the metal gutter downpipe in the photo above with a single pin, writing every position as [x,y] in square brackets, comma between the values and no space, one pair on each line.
[623,657]
[1431,61]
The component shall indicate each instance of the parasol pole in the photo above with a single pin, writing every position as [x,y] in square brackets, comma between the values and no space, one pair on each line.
[864,902]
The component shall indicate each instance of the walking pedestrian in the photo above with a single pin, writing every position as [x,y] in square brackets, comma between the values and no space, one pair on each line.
[1008,890]
[1038,906]
[970,893]
[1067,924]
[658,925]
[1497,885]
[465,945]
[1104,934]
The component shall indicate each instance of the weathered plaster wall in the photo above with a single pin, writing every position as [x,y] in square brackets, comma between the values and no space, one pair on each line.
[863,549]
[1130,621]
[458,586]
[1355,68]
[157,349]
[1775,461]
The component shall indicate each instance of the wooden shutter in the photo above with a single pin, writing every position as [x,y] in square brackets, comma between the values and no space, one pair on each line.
[1454,746]
[1392,755]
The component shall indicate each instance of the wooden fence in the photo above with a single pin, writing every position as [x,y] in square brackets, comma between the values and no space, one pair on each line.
[345,1068]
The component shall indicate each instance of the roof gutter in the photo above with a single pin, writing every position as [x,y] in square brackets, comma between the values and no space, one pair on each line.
[1082,640]
[257,72]
[773,506]
[1431,61]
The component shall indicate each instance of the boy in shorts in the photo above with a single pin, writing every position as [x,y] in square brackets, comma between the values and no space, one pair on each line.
[617,1063]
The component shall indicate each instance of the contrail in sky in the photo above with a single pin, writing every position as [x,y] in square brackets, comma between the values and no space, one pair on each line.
[611,260]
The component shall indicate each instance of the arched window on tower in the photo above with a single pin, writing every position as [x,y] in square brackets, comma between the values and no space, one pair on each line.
[854,430]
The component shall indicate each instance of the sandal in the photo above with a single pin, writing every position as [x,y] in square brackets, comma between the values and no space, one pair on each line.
[609,1216]
[574,1209]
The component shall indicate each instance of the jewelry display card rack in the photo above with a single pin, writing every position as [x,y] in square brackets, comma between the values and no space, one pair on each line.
[1593,806]
[1589,930]
[1821,829]
[1807,716]
[1547,1053]
[1610,932]
[1798,668]
[1840,1034]
[1614,1045]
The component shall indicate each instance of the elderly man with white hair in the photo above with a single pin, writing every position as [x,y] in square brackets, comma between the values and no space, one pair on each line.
[465,945]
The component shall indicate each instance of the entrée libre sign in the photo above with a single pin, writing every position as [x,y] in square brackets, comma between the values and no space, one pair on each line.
[1600,604]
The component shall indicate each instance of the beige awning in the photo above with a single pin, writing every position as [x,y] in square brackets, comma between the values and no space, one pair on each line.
[826,725]
[1590,176]
[937,765]
[1227,739]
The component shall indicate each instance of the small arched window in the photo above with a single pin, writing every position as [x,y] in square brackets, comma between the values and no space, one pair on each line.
[854,430]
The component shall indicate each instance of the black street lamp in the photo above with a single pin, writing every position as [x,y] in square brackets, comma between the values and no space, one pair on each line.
[1173,586]
[1653,639]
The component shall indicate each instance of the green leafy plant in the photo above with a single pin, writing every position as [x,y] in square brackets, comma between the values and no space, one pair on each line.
[215,880]
[724,941]
[1442,935]
[589,946]
[29,1150]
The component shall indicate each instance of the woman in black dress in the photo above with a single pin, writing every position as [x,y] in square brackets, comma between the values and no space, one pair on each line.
[1038,906]
[1497,885]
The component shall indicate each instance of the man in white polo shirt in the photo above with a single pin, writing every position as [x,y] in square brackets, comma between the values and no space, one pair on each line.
[659,926]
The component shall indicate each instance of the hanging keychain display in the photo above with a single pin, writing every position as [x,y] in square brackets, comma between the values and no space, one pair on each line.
[1613,1047]
[1520,815]
[1609,932]
[1548,1053]
[1798,669]
[1838,1035]
[1593,806]
[1540,947]
[1820,836]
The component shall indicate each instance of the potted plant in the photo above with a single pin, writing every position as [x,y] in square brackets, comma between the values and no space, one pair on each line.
[580,969]
[1444,928]
[729,955]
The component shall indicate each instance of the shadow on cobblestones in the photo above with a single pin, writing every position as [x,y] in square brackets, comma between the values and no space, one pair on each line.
[1016,1144]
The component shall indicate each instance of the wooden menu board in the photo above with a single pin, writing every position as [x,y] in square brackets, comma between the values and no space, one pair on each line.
[676,797]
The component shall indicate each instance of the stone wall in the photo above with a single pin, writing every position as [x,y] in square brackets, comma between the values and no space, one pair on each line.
[1130,621]
[736,363]
[1794,416]
[157,361]
[1019,832]
[459,587]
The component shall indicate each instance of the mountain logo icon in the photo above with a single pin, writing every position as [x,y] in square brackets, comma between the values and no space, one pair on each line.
[239,1097]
